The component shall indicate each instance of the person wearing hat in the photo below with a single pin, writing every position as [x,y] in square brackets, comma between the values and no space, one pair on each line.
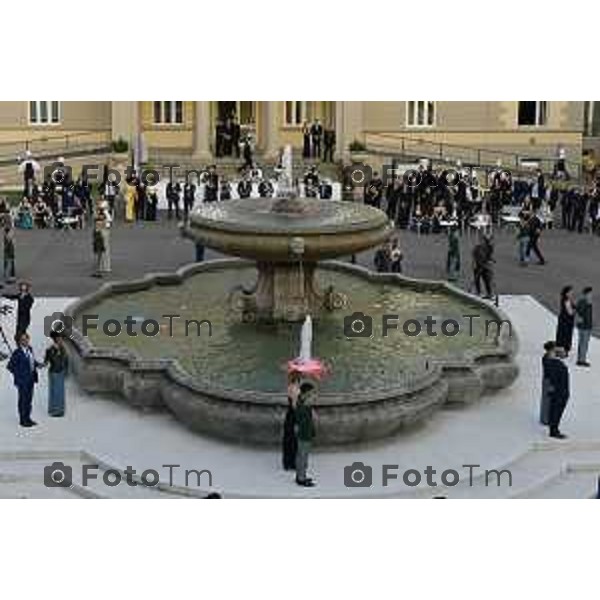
[583,317]
[305,432]
[555,389]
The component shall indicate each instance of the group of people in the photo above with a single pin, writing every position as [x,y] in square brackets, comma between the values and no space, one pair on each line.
[24,366]
[317,142]
[574,314]
[388,258]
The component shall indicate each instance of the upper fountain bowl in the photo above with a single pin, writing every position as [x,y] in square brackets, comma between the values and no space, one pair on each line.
[262,228]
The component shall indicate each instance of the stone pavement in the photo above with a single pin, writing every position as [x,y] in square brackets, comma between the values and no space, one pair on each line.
[60,262]
[499,432]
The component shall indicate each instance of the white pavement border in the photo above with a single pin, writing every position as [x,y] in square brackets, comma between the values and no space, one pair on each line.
[501,431]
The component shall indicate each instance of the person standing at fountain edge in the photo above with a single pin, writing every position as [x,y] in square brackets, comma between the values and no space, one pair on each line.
[556,381]
[290,441]
[453,257]
[305,433]
[23,366]
[483,265]
[58,364]
[583,310]
[566,319]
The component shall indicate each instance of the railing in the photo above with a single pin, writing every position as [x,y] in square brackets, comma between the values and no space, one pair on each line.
[403,148]
[53,146]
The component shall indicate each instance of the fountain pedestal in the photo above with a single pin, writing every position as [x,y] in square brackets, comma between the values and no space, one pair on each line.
[286,237]
[286,291]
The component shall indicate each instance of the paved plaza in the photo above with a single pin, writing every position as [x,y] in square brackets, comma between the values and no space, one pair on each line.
[59,263]
[499,432]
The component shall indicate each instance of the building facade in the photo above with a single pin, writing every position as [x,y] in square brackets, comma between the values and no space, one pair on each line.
[186,129]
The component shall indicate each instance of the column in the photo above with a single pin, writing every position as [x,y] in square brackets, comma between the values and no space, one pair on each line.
[339,130]
[202,131]
[269,129]
[125,121]
[350,115]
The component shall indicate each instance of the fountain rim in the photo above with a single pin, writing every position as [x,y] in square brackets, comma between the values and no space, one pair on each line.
[507,346]
[291,224]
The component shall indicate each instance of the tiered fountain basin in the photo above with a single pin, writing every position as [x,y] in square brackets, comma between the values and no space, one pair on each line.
[232,384]
[286,237]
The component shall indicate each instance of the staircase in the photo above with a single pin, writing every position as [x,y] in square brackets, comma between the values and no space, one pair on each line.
[230,166]
[93,148]
[401,149]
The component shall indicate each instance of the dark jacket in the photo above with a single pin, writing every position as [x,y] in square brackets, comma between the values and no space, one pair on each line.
[23,372]
[556,375]
[24,304]
[305,426]
[583,309]
[57,360]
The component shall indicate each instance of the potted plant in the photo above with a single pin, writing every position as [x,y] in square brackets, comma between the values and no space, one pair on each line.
[358,151]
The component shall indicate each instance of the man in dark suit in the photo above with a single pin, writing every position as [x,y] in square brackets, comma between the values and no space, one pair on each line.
[23,366]
[189,195]
[219,135]
[316,133]
[172,192]
[24,301]
[265,189]
[236,133]
[211,191]
[328,144]
[244,187]
[556,388]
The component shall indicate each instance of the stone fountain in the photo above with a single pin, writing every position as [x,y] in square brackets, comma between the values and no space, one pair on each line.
[287,237]
[232,385]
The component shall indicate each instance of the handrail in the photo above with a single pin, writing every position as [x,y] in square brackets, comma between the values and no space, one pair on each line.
[472,155]
[54,146]
[25,144]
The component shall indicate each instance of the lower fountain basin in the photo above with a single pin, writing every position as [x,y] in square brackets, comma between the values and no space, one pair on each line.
[231,384]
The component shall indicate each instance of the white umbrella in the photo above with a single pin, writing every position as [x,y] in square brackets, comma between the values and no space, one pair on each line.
[34,163]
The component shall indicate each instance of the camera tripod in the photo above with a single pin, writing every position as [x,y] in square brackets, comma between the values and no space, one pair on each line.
[3,355]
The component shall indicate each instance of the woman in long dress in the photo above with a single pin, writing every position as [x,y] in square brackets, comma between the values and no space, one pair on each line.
[58,363]
[566,319]
[130,204]
[289,441]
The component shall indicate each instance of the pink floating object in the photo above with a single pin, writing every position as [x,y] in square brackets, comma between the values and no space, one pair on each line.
[311,367]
